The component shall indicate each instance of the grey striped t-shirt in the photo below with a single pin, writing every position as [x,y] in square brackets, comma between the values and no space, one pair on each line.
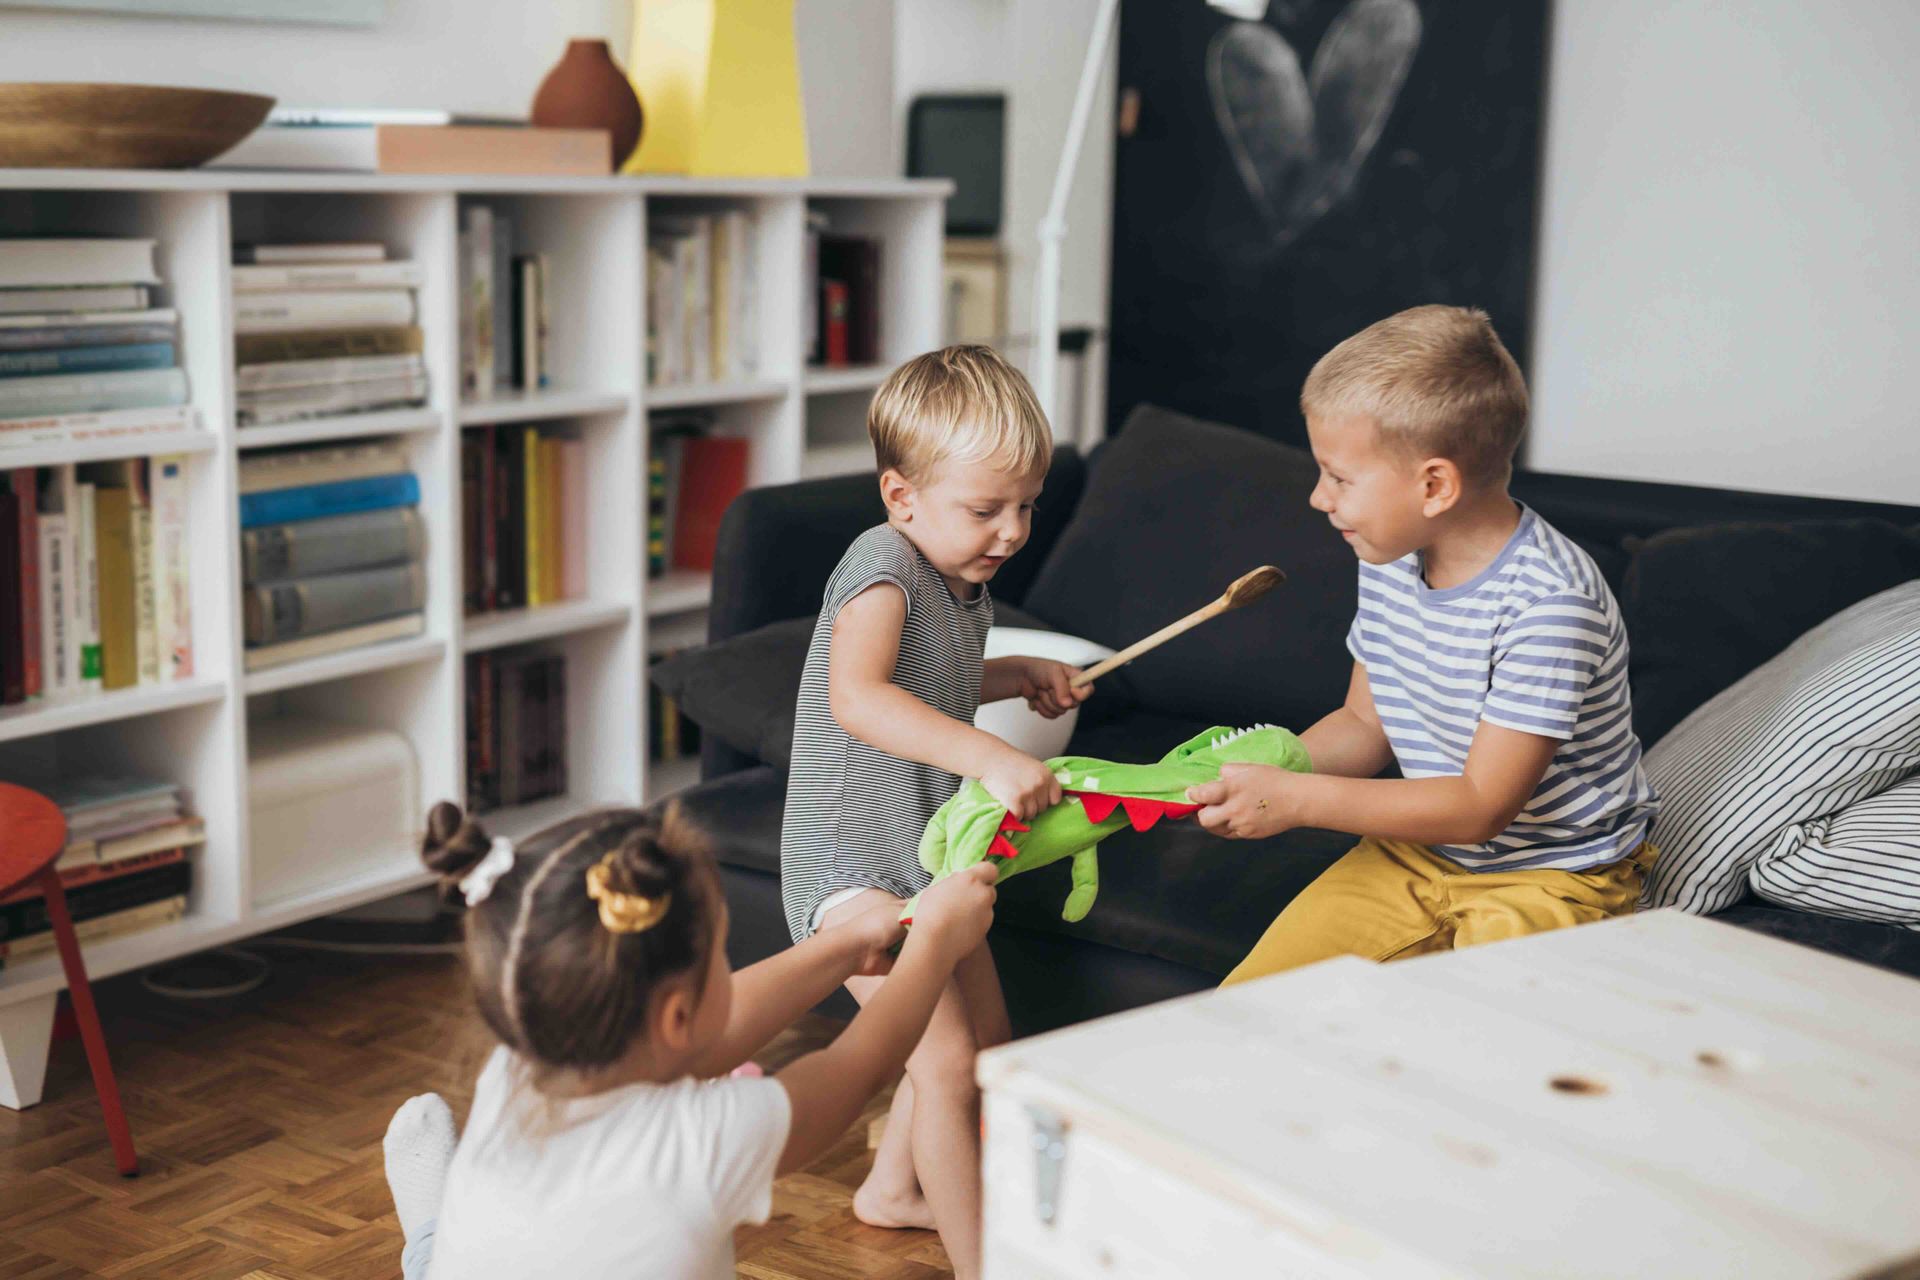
[854,813]
[1534,642]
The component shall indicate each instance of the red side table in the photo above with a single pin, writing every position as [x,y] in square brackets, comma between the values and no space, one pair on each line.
[33,831]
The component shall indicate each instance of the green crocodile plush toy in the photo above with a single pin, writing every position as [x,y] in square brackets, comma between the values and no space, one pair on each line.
[1101,798]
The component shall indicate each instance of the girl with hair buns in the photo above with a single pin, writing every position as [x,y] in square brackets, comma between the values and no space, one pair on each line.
[606,1136]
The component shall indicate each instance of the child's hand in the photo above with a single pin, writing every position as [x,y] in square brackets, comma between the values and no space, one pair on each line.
[955,913]
[877,932]
[1250,801]
[1025,785]
[1048,686]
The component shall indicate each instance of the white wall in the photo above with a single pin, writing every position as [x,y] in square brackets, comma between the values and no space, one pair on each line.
[1727,291]
[481,56]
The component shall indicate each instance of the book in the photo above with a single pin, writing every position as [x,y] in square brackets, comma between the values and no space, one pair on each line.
[296,404]
[55,613]
[855,262]
[39,338]
[572,535]
[145,640]
[509,515]
[533,478]
[113,536]
[290,311]
[480,734]
[86,579]
[477,287]
[342,497]
[267,657]
[40,303]
[85,798]
[89,873]
[87,323]
[280,611]
[529,356]
[263,472]
[551,518]
[835,327]
[323,251]
[473,516]
[169,831]
[280,374]
[27,515]
[332,544]
[111,424]
[73,359]
[115,924]
[13,686]
[713,473]
[413,148]
[25,918]
[656,514]
[555,781]
[64,393]
[327,344]
[169,495]
[504,333]
[295,277]
[338,117]
[75,260]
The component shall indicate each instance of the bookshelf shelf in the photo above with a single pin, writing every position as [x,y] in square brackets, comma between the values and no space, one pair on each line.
[680,591]
[695,395]
[156,445]
[56,715]
[664,777]
[539,406]
[339,666]
[593,234]
[826,382]
[355,426]
[485,631]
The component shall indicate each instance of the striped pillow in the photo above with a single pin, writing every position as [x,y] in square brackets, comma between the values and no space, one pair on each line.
[1833,720]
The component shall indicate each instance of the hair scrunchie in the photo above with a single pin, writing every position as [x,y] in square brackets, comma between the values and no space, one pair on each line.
[623,912]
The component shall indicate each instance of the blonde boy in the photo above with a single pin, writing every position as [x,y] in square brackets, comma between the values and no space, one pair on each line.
[1490,663]
[884,733]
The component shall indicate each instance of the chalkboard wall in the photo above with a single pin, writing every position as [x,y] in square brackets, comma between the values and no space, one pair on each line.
[1280,185]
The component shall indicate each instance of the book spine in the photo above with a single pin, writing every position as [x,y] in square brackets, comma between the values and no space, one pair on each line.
[91,392]
[533,475]
[476,328]
[328,344]
[99,359]
[113,537]
[261,408]
[487,783]
[73,428]
[90,323]
[340,251]
[28,302]
[543,321]
[116,924]
[97,873]
[472,547]
[173,608]
[283,611]
[86,593]
[22,919]
[333,544]
[656,512]
[323,276]
[33,668]
[256,313]
[557,724]
[146,635]
[55,614]
[509,508]
[489,521]
[502,299]
[284,506]
[69,262]
[550,517]
[573,519]
[510,699]
[282,374]
[59,337]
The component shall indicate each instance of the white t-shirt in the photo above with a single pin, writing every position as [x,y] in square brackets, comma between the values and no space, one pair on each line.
[648,1180]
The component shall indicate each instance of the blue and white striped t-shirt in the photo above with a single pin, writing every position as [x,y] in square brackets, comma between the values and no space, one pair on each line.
[1534,643]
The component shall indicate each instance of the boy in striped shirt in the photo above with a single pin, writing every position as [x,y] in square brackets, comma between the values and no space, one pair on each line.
[1490,664]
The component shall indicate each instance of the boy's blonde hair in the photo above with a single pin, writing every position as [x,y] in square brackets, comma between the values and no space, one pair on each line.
[1436,381]
[961,404]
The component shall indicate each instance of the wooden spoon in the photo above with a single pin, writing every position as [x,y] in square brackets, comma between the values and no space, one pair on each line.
[1245,589]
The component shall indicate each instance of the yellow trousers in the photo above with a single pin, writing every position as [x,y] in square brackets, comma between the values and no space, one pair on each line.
[1387,898]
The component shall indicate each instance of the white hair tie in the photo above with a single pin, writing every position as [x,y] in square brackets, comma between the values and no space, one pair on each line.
[477,884]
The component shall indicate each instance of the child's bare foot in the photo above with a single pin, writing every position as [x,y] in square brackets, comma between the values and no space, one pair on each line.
[879,1208]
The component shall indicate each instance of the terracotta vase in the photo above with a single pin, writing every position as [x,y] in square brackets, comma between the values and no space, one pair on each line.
[587,90]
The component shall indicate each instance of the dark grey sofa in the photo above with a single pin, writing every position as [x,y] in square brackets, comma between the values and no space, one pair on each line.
[1713,582]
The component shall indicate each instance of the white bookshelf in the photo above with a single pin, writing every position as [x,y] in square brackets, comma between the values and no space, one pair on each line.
[593,231]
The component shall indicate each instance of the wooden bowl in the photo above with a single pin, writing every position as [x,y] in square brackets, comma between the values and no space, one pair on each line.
[121,126]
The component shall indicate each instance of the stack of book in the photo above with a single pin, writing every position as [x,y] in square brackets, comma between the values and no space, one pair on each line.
[671,735]
[331,548]
[503,308]
[125,867]
[516,728]
[692,476]
[93,578]
[376,140]
[324,329]
[523,516]
[83,354]
[841,310]
[702,298]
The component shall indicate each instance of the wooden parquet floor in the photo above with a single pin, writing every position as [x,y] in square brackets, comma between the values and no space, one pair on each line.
[259,1120]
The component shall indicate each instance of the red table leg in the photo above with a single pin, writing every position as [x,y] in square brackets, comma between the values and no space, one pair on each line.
[81,993]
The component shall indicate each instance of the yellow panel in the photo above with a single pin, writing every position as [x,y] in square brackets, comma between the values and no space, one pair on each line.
[719,82]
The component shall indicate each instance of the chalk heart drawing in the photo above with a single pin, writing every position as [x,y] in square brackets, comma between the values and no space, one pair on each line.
[1299,141]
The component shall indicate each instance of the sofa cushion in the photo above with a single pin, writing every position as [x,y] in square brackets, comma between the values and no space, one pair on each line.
[1832,720]
[1174,510]
[742,689]
[1704,606]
